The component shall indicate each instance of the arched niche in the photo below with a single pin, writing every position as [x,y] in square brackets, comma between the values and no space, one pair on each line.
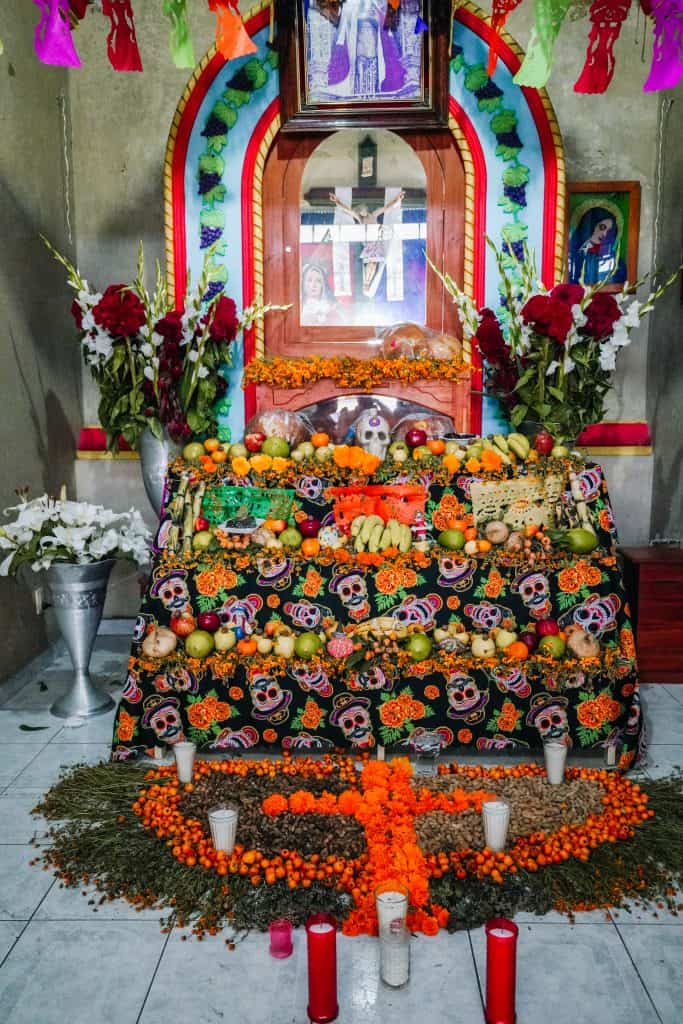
[227,122]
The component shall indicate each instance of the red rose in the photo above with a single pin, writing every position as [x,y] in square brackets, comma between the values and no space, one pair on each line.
[77,314]
[170,326]
[548,317]
[602,312]
[224,323]
[570,294]
[119,311]
[490,337]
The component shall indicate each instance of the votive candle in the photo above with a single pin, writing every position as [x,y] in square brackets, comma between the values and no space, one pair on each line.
[555,755]
[223,824]
[280,938]
[501,953]
[496,815]
[184,759]
[321,936]
[394,938]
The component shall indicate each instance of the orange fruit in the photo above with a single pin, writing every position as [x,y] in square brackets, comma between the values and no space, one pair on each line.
[310,547]
[246,646]
[320,439]
[471,533]
[436,446]
[484,546]
[517,651]
[220,455]
[212,444]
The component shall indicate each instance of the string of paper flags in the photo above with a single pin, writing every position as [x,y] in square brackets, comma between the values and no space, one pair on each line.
[54,40]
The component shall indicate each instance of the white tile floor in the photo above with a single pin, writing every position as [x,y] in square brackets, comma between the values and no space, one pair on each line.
[61,961]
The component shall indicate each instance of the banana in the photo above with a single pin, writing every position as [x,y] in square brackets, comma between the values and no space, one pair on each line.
[519,445]
[359,545]
[385,540]
[501,442]
[395,531]
[357,525]
[405,539]
[370,524]
[375,536]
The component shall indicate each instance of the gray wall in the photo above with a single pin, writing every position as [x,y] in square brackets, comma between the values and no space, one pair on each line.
[38,352]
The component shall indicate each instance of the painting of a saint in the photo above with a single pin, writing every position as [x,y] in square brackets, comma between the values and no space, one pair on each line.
[595,247]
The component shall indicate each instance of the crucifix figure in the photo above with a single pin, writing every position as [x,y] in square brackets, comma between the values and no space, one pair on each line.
[373,253]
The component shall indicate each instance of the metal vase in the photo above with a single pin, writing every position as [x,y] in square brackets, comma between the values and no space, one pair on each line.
[78,593]
[155,456]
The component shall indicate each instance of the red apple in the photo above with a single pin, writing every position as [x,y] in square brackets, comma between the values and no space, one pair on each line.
[253,442]
[201,524]
[530,639]
[416,437]
[208,621]
[544,442]
[309,527]
[183,624]
[547,627]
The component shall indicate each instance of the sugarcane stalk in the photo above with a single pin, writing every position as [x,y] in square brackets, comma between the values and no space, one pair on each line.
[188,524]
[581,506]
[179,499]
[198,495]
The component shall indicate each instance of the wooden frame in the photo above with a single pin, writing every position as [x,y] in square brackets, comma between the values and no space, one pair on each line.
[588,258]
[301,115]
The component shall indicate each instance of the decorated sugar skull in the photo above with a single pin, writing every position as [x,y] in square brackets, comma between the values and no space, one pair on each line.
[486,616]
[596,615]
[574,680]
[131,690]
[373,432]
[456,574]
[548,714]
[371,679]
[417,611]
[465,698]
[162,714]
[305,614]
[274,571]
[177,679]
[422,737]
[235,739]
[171,589]
[268,698]
[464,483]
[350,712]
[310,487]
[590,482]
[353,594]
[304,741]
[240,612]
[510,679]
[142,622]
[534,590]
[311,679]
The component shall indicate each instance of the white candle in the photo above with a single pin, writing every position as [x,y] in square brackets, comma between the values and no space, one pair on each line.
[502,933]
[392,907]
[555,754]
[184,759]
[496,814]
[319,929]
[223,823]
[394,959]
[380,752]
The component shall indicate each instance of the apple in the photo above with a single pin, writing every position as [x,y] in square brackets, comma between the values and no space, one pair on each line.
[560,451]
[224,639]
[202,541]
[307,448]
[453,540]
[454,448]
[421,451]
[307,645]
[530,639]
[284,645]
[547,627]
[208,621]
[399,451]
[552,645]
[264,644]
[183,624]
[324,453]
[237,451]
[298,455]
[159,642]
[254,442]
[544,442]
[201,524]
[276,447]
[193,451]
[419,646]
[309,527]
[503,638]
[291,538]
[416,437]
[199,644]
[483,647]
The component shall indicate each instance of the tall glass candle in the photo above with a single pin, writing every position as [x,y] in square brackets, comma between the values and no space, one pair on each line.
[555,755]
[501,953]
[184,759]
[391,901]
[496,815]
[223,824]
[321,937]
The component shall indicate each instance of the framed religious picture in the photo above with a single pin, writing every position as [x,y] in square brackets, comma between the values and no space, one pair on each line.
[363,63]
[603,219]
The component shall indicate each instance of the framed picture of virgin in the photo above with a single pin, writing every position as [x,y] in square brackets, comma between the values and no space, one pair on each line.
[603,220]
[363,63]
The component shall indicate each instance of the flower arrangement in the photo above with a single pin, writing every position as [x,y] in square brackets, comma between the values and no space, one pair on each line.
[550,353]
[156,366]
[46,530]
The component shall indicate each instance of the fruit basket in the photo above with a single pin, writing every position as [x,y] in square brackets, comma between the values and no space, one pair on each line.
[223,502]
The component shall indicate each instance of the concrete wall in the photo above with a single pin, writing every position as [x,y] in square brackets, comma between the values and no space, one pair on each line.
[39,355]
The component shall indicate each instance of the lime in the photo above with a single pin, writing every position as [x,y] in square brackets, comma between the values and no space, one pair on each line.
[307,645]
[276,447]
[580,541]
[454,540]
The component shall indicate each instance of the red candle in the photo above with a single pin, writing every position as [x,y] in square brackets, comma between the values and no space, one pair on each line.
[501,952]
[321,935]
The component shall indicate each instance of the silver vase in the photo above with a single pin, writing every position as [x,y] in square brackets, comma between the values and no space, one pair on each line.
[155,456]
[77,593]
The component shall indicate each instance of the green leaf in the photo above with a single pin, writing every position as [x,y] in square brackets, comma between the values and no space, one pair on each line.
[505,121]
[156,427]
[518,414]
[490,104]
[507,152]
[476,78]
[517,175]
[195,421]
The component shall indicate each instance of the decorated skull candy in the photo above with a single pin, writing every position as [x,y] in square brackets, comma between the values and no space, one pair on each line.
[353,594]
[549,715]
[373,432]
[171,589]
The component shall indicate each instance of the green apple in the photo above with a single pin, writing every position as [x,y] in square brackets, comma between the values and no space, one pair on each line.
[399,451]
[202,540]
[307,645]
[307,448]
[224,639]
[298,455]
[453,540]
[193,451]
[291,538]
[284,646]
[504,637]
[199,644]
[483,647]
[238,450]
[553,646]
[560,451]
[324,453]
[276,447]
[419,646]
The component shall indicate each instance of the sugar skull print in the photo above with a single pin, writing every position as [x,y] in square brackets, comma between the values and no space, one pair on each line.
[351,714]
[240,612]
[305,614]
[423,738]
[353,594]
[498,742]
[275,571]
[235,739]
[305,742]
[534,590]
[270,702]
[177,679]
[596,615]
[486,616]
[456,574]
[309,487]
[162,715]
[417,611]
[131,690]
[510,679]
[372,678]
[143,621]
[311,679]
[548,714]
[465,699]
[172,591]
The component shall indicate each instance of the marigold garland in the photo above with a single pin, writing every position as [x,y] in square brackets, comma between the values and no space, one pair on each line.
[346,372]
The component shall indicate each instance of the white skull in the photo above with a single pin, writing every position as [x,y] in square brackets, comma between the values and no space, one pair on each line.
[373,432]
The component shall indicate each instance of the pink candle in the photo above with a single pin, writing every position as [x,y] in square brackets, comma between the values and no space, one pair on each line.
[280,938]
[321,935]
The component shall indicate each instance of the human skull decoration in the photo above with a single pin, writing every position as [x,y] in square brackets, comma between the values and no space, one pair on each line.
[311,679]
[534,590]
[372,432]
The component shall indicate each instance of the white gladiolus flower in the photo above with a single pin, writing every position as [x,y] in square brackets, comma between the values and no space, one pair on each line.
[568,364]
[156,339]
[193,355]
[148,372]
[144,331]
[578,315]
[608,355]
[146,350]
[88,321]
[202,372]
[631,318]
[551,368]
